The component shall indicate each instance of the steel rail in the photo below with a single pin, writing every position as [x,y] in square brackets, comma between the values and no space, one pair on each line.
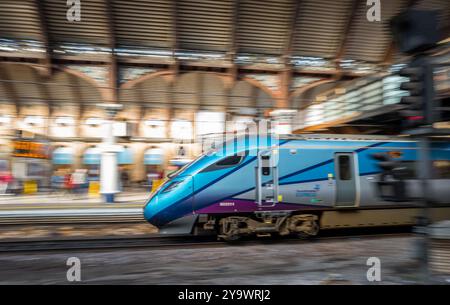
[162,241]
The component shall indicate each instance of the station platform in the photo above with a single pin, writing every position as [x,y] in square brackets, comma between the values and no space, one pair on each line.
[127,200]
[59,215]
[51,208]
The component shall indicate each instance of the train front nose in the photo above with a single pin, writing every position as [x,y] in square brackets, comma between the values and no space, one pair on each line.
[151,210]
[171,201]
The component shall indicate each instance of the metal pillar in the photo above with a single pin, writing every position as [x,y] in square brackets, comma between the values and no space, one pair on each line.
[425,167]
[109,178]
[109,171]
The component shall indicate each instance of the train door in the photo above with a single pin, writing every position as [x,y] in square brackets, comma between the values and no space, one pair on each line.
[346,170]
[266,178]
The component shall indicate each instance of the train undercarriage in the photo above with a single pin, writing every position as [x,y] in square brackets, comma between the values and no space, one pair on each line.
[231,228]
[308,223]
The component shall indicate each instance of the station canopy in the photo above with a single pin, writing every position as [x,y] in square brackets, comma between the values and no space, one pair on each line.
[277,53]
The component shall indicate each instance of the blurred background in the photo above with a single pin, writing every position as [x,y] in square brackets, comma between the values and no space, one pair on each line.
[183,71]
[100,100]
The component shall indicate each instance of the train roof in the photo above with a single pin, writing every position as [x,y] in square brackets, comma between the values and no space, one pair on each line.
[321,137]
[345,137]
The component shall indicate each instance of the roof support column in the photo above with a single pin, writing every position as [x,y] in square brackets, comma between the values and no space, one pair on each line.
[44,35]
[285,87]
[345,35]
[10,90]
[77,96]
[113,77]
[142,108]
[286,75]
[174,17]
[233,70]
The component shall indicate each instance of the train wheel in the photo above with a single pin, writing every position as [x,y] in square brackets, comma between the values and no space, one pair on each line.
[304,226]
[302,236]
[231,238]
[230,228]
[314,229]
[311,234]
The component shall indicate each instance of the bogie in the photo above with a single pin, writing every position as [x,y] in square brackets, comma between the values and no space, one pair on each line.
[232,228]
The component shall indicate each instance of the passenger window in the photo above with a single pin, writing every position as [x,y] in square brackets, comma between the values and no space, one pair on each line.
[344,168]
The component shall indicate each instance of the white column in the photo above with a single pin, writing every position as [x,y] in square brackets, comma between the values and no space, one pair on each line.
[109,171]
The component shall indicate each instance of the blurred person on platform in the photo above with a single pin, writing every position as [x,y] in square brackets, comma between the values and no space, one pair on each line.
[5,179]
[151,177]
[79,180]
[124,178]
[68,182]
[58,180]
[181,151]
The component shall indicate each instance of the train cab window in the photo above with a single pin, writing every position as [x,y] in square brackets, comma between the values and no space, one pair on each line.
[344,168]
[224,163]
[229,161]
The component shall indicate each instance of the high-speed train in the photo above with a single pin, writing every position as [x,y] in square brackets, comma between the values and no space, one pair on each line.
[294,185]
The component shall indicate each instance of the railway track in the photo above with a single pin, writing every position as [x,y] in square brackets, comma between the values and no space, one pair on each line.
[102,243]
[158,241]
[69,216]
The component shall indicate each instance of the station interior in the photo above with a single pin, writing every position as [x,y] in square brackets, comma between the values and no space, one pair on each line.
[163,79]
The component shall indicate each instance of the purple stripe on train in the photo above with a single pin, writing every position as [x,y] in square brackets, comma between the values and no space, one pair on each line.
[241,205]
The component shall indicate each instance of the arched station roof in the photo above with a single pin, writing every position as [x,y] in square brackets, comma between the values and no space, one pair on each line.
[201,53]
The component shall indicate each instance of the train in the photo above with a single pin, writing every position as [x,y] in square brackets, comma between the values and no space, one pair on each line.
[296,184]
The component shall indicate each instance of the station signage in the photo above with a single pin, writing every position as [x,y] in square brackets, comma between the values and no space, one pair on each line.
[30,149]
